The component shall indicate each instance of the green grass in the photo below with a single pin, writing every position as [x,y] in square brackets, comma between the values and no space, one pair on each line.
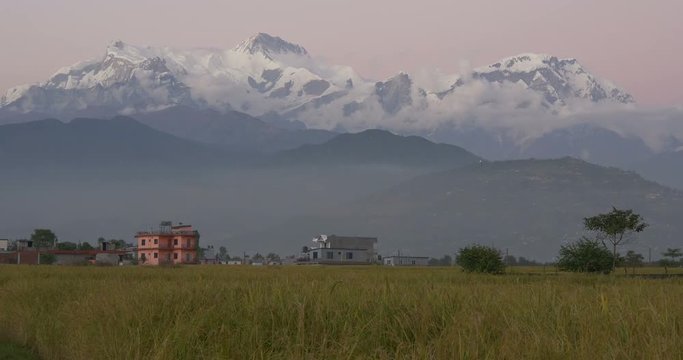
[233,312]
[14,352]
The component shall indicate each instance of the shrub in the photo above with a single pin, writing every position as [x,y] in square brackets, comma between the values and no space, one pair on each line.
[586,255]
[481,259]
[47,259]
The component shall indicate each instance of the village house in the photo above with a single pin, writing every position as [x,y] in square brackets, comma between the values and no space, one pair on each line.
[209,256]
[107,254]
[398,260]
[341,250]
[4,244]
[170,244]
[23,253]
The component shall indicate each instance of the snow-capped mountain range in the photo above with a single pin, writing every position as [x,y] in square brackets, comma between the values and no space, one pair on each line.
[268,76]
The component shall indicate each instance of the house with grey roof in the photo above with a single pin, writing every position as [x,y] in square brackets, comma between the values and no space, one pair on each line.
[341,250]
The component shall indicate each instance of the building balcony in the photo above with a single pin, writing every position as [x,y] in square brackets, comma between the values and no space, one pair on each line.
[166,247]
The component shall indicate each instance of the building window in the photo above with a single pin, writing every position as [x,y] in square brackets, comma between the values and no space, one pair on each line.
[156,241]
[156,255]
[175,242]
[330,255]
[413,262]
[175,256]
[315,255]
[349,255]
[143,242]
[188,257]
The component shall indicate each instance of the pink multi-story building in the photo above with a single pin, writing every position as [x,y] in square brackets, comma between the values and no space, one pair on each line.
[169,245]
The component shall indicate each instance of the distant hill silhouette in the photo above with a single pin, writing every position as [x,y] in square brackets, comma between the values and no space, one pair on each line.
[378,147]
[232,129]
[98,143]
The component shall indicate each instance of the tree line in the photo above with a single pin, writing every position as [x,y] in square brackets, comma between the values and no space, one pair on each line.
[597,254]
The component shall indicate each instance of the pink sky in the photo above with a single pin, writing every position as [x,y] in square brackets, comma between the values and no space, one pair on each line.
[637,44]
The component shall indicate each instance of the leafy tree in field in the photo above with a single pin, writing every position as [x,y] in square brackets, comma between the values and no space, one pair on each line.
[482,259]
[273,257]
[47,259]
[615,227]
[67,245]
[670,257]
[257,257]
[223,253]
[586,255]
[117,243]
[86,246]
[633,260]
[43,238]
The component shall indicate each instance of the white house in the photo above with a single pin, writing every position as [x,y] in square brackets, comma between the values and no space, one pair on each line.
[4,244]
[397,260]
[341,250]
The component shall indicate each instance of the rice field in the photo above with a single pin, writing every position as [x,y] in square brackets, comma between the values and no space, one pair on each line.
[309,312]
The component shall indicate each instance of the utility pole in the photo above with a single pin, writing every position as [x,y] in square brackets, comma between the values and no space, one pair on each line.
[649,255]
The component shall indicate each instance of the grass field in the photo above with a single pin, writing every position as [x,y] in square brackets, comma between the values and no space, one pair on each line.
[233,312]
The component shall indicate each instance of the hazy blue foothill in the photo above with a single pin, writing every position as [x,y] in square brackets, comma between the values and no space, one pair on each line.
[89,177]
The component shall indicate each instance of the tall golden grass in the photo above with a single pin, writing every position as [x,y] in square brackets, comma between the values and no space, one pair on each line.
[225,312]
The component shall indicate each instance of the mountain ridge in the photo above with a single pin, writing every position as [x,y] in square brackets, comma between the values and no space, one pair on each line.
[266,74]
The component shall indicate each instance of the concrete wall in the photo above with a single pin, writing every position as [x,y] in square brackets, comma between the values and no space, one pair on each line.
[406,261]
[72,259]
[107,259]
[342,256]
[21,257]
[351,242]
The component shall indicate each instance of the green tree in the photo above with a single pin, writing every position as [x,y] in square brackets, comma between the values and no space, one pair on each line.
[633,260]
[273,257]
[43,238]
[67,245]
[86,246]
[118,243]
[47,259]
[586,255]
[223,253]
[670,258]
[481,259]
[258,257]
[615,227]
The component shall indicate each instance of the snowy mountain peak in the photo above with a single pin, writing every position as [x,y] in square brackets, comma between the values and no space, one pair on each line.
[528,62]
[131,53]
[269,46]
[266,75]
[558,80]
